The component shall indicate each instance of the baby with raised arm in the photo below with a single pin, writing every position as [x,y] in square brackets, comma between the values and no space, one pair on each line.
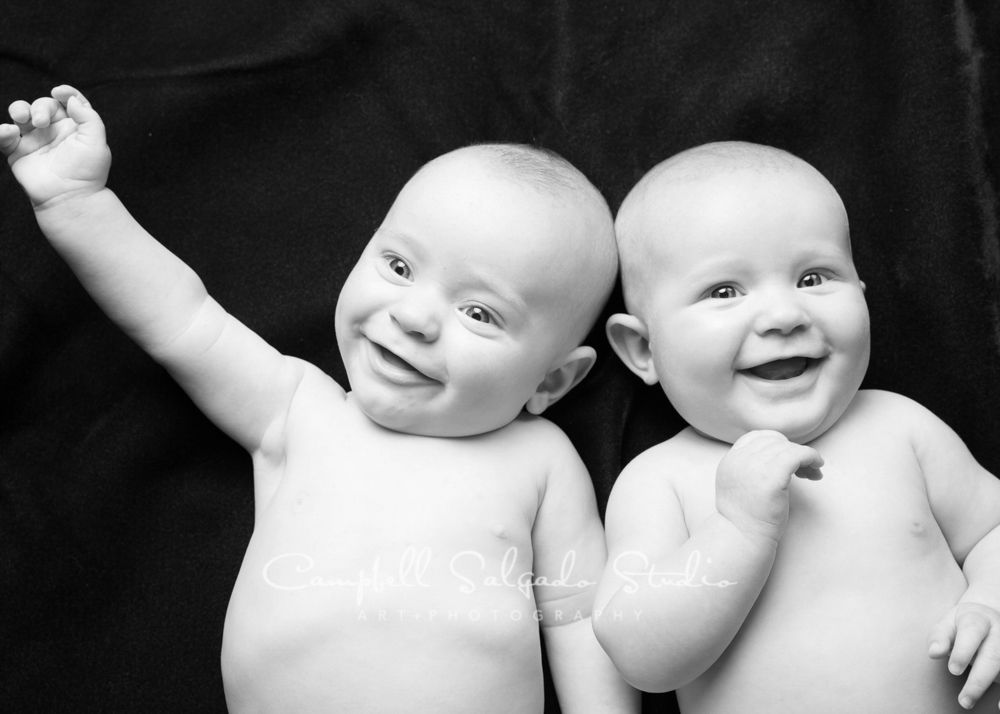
[410,535]
[792,549]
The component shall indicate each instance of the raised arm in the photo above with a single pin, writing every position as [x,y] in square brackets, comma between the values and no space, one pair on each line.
[672,599]
[57,151]
[569,555]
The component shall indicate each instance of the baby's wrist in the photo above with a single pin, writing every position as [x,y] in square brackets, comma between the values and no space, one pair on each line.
[981,598]
[753,530]
[72,205]
[78,218]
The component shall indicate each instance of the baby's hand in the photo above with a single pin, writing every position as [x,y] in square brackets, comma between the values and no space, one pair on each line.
[969,630]
[751,483]
[56,147]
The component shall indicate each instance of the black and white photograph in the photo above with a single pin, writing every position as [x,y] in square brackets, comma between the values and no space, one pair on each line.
[465,356]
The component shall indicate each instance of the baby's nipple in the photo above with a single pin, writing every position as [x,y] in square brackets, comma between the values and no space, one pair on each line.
[918,529]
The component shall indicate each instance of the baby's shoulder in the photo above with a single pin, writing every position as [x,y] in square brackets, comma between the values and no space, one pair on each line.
[537,451]
[316,403]
[876,410]
[685,451]
[882,399]
[533,436]
[686,458]
[316,385]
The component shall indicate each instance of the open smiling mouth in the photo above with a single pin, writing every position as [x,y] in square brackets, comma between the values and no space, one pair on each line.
[781,368]
[395,360]
[413,375]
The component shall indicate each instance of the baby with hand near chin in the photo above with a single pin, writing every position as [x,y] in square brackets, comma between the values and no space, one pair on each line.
[795,546]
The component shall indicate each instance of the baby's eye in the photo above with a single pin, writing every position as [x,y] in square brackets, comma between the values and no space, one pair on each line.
[811,280]
[724,292]
[478,314]
[399,267]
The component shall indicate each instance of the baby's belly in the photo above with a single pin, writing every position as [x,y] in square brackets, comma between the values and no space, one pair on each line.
[328,620]
[852,637]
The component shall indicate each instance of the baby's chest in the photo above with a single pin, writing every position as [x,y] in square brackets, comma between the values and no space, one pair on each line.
[870,504]
[397,510]
[871,508]
[412,482]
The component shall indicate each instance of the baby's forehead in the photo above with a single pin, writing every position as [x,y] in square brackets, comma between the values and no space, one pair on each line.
[553,266]
[728,185]
[710,173]
[728,156]
[521,165]
[524,208]
[721,179]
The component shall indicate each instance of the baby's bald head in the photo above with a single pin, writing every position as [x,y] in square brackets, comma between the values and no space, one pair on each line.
[644,216]
[584,258]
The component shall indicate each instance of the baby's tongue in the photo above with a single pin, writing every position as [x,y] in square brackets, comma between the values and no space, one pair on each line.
[780,369]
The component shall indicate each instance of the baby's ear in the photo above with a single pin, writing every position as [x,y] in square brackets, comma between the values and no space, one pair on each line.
[563,377]
[629,339]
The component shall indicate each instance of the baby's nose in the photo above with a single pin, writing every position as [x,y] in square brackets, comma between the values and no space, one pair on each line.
[417,316]
[783,313]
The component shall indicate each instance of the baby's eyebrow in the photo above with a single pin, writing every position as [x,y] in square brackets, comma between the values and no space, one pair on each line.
[512,301]
[413,246]
[719,267]
[831,256]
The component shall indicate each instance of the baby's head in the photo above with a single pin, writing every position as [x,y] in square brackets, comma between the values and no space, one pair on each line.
[743,297]
[471,300]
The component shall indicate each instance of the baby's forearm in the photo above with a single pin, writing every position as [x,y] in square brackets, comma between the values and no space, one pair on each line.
[982,571]
[670,620]
[143,287]
[584,678]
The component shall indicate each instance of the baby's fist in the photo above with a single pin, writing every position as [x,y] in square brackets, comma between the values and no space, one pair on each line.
[751,482]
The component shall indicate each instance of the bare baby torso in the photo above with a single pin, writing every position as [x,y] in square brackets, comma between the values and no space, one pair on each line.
[388,572]
[862,574]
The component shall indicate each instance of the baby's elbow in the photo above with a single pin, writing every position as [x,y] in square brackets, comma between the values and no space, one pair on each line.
[647,666]
[646,681]
[649,677]
[638,666]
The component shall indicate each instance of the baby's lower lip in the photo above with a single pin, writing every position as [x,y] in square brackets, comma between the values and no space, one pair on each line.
[780,369]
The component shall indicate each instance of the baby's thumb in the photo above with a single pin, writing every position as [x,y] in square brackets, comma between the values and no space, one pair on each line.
[942,636]
[809,464]
[811,473]
[79,110]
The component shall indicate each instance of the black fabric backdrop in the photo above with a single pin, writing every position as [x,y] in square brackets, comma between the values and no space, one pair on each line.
[263,142]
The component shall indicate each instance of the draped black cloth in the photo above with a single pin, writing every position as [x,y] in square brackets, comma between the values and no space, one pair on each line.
[263,142]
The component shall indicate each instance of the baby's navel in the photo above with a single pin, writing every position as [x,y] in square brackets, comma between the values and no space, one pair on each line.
[500,531]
